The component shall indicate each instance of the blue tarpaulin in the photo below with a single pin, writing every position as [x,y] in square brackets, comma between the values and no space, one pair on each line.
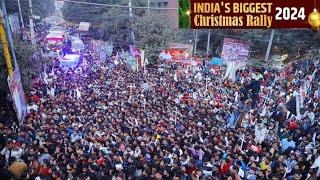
[216,61]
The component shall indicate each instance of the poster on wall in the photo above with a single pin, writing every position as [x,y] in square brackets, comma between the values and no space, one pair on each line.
[18,97]
[234,50]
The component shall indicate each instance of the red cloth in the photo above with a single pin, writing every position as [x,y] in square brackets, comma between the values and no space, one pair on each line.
[36,99]
[225,168]
[191,169]
[293,125]
[101,161]
[256,149]
[45,171]
[17,144]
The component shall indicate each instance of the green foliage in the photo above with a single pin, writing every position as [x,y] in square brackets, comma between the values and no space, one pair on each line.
[184,19]
[24,53]
[27,65]
[153,35]
[291,42]
[153,32]
[3,74]
[117,27]
[42,8]
[75,12]
[115,24]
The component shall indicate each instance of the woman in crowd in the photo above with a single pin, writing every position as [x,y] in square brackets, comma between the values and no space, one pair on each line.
[101,123]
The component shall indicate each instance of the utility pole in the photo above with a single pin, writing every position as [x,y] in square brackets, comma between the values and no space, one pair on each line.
[32,35]
[20,14]
[148,6]
[130,13]
[8,31]
[269,46]
[195,42]
[4,42]
[208,43]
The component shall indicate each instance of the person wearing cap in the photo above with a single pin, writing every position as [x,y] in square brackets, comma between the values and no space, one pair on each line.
[102,134]
[12,149]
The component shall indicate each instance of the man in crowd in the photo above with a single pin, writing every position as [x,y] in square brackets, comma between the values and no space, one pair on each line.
[101,123]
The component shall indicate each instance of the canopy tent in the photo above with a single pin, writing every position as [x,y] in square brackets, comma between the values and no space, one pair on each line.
[56,31]
[51,37]
[55,37]
[56,34]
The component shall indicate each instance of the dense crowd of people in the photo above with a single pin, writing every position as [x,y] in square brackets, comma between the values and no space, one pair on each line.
[97,122]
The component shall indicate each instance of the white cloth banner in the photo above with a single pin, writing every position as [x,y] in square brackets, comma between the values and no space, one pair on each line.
[298,104]
[231,71]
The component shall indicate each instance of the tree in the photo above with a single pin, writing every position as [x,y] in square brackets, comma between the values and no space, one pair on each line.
[117,25]
[297,40]
[94,14]
[151,33]
[154,33]
[105,22]
[29,65]
[184,18]
[42,8]
[77,12]
[291,42]
[3,74]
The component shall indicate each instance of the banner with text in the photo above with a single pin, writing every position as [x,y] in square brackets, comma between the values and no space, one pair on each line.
[235,50]
[249,14]
[17,93]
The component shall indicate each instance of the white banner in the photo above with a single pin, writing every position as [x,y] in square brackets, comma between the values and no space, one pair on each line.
[84,26]
[298,103]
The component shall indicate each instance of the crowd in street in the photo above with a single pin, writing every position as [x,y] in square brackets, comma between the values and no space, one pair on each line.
[96,122]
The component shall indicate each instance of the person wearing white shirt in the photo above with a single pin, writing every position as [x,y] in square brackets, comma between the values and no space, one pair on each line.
[75,136]
[260,133]
[33,106]
[12,150]
[310,115]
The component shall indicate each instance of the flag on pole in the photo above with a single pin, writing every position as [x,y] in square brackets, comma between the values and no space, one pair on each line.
[78,93]
[175,77]
[242,141]
[117,56]
[146,62]
[314,139]
[45,78]
[52,72]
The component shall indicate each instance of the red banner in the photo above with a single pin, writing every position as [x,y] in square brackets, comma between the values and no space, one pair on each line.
[18,97]
[235,50]
[253,14]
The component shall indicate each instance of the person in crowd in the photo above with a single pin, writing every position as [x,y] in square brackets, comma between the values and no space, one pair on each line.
[96,122]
